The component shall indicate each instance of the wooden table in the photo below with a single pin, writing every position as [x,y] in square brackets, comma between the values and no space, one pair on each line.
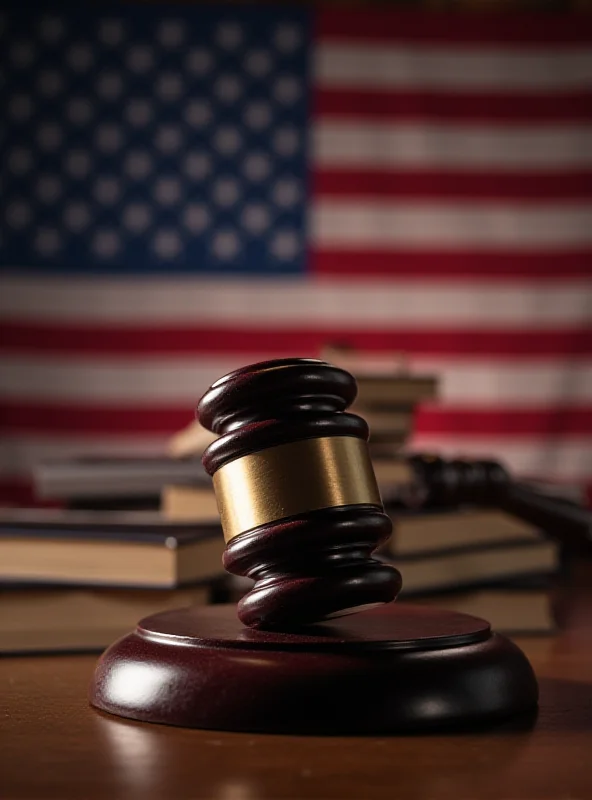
[53,745]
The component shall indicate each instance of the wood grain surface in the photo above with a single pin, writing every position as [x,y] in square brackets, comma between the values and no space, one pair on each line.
[53,745]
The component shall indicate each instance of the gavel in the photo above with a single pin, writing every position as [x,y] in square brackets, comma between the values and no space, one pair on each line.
[441,483]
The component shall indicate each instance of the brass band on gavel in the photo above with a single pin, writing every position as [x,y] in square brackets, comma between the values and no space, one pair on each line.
[294,478]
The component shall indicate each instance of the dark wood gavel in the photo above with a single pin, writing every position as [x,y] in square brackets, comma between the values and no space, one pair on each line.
[445,483]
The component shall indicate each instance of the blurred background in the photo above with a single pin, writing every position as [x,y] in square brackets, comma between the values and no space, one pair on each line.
[189,188]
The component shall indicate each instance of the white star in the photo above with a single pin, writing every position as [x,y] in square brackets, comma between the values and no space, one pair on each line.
[111,32]
[48,188]
[167,191]
[49,83]
[79,111]
[51,29]
[22,54]
[257,166]
[109,138]
[286,192]
[47,242]
[199,61]
[168,138]
[110,85]
[20,107]
[169,86]
[227,140]
[286,141]
[137,217]
[140,59]
[258,115]
[286,90]
[171,33]
[226,192]
[139,112]
[138,164]
[20,161]
[49,136]
[107,190]
[197,166]
[198,114]
[167,243]
[228,88]
[80,57]
[78,163]
[255,218]
[196,218]
[77,217]
[284,245]
[258,63]
[229,35]
[106,243]
[18,214]
[225,244]
[287,37]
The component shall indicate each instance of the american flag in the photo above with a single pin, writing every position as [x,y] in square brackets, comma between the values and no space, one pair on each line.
[189,189]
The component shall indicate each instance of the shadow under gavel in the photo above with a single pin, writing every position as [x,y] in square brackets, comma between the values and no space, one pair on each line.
[440,483]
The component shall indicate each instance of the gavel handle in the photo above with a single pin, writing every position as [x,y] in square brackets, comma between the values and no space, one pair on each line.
[450,483]
[562,520]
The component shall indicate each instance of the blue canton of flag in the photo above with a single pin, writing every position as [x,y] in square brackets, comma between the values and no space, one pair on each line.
[152,140]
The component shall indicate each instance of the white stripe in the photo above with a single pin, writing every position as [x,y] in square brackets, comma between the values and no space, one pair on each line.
[376,225]
[552,458]
[484,69]
[566,460]
[179,382]
[429,146]
[288,303]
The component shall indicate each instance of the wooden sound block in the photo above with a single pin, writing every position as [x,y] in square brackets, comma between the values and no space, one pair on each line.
[391,669]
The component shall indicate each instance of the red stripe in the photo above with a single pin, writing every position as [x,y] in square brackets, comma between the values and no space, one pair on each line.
[356,104]
[448,185]
[43,418]
[454,29]
[151,341]
[463,265]
[505,421]
[23,417]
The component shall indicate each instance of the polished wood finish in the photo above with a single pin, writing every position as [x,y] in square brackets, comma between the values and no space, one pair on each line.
[395,668]
[310,565]
[447,483]
[53,745]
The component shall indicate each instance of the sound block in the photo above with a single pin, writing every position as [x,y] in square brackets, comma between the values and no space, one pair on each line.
[397,668]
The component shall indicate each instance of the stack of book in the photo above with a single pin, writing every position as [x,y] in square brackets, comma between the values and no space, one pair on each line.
[480,561]
[125,483]
[388,402]
[75,580]
[388,394]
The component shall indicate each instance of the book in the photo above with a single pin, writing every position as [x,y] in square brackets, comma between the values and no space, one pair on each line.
[511,607]
[384,391]
[477,566]
[43,619]
[107,548]
[416,534]
[510,611]
[394,477]
[190,503]
[95,478]
[191,441]
[396,423]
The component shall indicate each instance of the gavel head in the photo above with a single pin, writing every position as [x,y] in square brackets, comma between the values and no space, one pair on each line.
[298,500]
[441,483]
